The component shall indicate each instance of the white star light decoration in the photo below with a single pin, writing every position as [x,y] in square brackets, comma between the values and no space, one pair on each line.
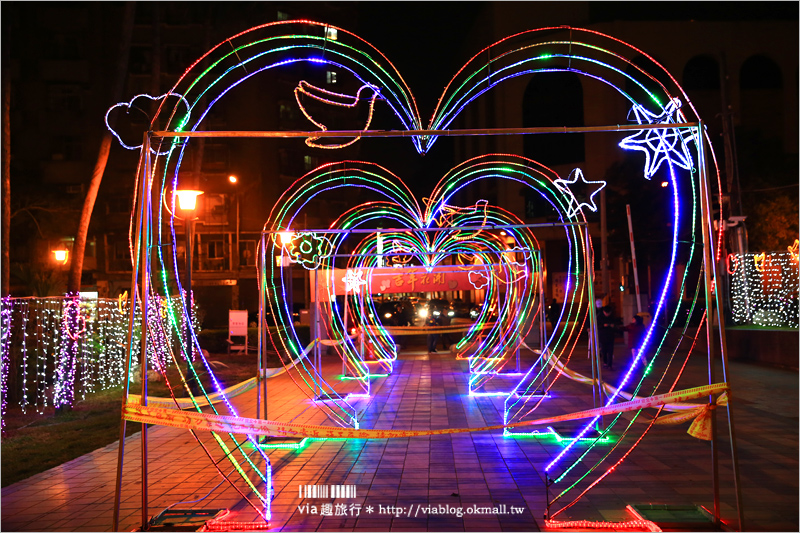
[353,282]
[660,145]
[574,206]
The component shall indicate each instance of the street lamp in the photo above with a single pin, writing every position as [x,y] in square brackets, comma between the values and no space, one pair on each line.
[187,202]
[61,255]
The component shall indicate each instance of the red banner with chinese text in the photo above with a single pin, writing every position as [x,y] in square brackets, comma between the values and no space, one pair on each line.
[413,279]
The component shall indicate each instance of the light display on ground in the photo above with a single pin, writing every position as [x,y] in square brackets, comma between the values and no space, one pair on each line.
[425,235]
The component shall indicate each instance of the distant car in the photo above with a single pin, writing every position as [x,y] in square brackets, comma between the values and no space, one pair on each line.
[440,307]
[460,308]
[388,314]
[477,309]
[421,308]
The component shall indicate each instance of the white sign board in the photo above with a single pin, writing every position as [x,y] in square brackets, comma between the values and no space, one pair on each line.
[237,323]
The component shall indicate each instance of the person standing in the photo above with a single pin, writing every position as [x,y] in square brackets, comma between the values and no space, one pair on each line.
[444,320]
[432,321]
[552,312]
[606,331]
[636,331]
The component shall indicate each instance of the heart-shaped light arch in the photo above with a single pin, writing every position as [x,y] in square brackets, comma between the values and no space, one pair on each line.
[429,241]
[598,56]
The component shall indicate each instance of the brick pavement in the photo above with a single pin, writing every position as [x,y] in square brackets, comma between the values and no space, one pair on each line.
[425,391]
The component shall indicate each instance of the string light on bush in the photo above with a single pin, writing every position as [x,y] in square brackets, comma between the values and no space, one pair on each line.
[5,341]
[764,289]
[46,332]
[24,401]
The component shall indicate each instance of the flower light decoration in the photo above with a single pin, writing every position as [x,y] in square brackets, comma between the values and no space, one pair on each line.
[421,234]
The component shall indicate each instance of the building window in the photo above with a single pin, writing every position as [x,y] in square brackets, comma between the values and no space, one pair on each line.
[760,72]
[141,60]
[67,148]
[310,162]
[701,73]
[62,97]
[215,156]
[177,59]
[761,99]
[213,208]
[331,33]
[282,15]
[247,253]
[119,204]
[216,249]
[653,86]
[290,162]
[119,255]
[76,189]
[64,47]
[287,110]
[330,77]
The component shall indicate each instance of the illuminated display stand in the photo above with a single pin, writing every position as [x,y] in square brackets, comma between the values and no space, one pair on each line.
[668,133]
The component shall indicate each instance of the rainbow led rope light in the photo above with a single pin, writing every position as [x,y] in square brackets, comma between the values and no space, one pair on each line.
[282,44]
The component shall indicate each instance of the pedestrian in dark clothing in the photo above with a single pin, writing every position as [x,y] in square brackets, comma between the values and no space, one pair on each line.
[606,331]
[552,312]
[433,338]
[636,331]
[446,340]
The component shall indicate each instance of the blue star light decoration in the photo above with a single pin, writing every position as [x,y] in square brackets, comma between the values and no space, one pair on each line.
[574,205]
[661,145]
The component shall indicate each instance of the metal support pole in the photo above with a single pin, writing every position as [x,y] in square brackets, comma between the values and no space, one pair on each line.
[144,291]
[547,496]
[420,133]
[543,344]
[317,354]
[633,259]
[190,376]
[542,307]
[709,262]
[346,332]
[594,351]
[262,270]
[131,325]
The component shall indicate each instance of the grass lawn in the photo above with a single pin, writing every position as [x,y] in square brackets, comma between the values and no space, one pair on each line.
[34,443]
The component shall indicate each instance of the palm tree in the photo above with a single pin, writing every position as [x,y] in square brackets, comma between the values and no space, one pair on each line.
[79,248]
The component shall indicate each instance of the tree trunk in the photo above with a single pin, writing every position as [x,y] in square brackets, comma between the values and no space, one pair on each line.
[6,231]
[79,248]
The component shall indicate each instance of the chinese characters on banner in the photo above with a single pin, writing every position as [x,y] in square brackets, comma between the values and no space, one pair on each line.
[396,280]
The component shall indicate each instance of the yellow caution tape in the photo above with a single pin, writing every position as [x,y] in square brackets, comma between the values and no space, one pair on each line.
[252,426]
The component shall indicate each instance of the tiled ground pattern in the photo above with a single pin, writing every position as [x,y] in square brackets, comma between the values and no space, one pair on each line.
[428,391]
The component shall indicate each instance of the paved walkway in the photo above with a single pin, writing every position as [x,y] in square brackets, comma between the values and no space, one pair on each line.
[445,472]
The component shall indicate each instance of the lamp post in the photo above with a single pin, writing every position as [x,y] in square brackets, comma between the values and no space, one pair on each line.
[61,255]
[187,202]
